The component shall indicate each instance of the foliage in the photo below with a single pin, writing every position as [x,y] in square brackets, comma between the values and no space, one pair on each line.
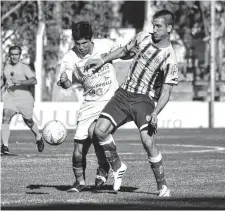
[23,22]
[20,26]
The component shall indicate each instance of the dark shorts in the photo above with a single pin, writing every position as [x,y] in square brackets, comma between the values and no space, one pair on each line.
[125,106]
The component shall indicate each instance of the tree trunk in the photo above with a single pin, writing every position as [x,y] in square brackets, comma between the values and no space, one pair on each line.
[150,9]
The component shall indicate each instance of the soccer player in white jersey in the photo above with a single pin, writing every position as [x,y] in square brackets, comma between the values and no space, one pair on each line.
[17,78]
[98,90]
[151,77]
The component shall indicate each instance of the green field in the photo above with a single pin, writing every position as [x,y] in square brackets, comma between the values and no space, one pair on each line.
[193,159]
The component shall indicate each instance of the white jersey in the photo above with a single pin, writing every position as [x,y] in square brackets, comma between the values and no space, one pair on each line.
[97,86]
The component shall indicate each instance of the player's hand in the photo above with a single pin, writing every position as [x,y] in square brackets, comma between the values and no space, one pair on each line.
[63,77]
[16,82]
[152,120]
[95,64]
[64,81]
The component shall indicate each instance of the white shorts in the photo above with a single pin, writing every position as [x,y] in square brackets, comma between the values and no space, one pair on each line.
[23,106]
[88,113]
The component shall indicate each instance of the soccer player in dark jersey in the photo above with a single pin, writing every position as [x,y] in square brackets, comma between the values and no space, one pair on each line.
[142,96]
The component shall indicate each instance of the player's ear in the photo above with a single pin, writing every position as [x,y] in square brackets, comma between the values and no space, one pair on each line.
[169,28]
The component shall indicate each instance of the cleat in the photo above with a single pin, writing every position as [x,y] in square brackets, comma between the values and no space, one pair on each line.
[40,145]
[101,177]
[76,187]
[118,175]
[164,191]
[5,149]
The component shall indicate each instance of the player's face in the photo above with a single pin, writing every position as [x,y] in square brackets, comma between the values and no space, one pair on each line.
[83,46]
[14,56]
[160,29]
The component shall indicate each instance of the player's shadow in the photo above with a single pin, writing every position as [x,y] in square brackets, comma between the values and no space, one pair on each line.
[58,187]
[92,188]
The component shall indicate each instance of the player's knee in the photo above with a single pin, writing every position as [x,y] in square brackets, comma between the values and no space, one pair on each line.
[91,131]
[77,153]
[29,122]
[6,120]
[7,116]
[100,132]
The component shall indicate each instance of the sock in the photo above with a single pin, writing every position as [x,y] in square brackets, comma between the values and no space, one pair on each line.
[158,170]
[112,156]
[5,134]
[35,131]
[100,154]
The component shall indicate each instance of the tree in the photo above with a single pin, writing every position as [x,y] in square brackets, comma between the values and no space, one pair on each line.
[20,24]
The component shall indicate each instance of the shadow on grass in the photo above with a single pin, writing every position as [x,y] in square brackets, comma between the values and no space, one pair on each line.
[103,189]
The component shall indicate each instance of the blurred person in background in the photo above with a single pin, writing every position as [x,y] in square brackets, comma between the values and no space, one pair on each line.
[191,66]
[18,78]
[98,90]
[150,80]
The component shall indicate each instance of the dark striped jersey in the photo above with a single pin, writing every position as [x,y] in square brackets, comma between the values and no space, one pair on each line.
[151,67]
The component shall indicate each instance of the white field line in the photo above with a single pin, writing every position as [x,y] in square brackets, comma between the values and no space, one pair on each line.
[202,149]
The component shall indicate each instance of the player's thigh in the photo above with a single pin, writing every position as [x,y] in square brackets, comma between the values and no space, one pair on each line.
[9,103]
[116,111]
[140,107]
[82,130]
[25,107]
[7,115]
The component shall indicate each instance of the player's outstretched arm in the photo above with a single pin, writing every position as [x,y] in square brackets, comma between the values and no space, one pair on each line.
[98,63]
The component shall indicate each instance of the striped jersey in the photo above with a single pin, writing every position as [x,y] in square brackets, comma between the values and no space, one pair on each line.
[97,86]
[20,71]
[151,67]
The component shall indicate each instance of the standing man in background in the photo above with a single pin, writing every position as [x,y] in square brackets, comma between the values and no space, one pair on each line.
[152,75]
[17,78]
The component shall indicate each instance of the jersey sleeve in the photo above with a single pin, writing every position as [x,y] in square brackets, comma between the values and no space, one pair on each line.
[136,40]
[171,71]
[28,72]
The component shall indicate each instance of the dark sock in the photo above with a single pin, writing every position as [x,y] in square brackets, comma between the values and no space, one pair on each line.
[100,154]
[112,156]
[158,170]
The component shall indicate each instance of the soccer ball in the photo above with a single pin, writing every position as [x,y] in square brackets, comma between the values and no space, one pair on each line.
[54,132]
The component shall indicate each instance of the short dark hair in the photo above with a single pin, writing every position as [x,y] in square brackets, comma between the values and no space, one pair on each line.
[82,30]
[166,15]
[15,47]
